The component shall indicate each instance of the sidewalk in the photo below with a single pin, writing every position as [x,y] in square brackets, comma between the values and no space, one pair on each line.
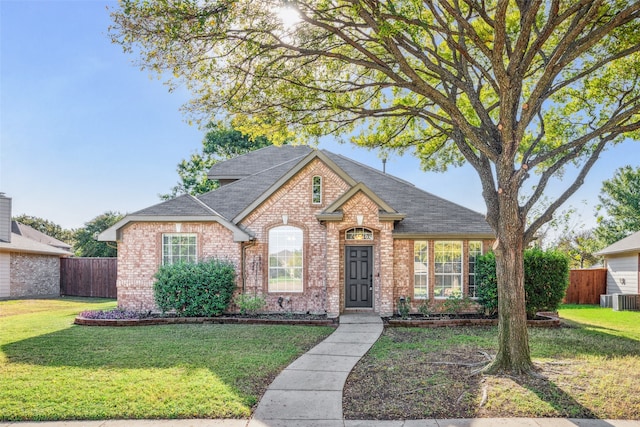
[308,393]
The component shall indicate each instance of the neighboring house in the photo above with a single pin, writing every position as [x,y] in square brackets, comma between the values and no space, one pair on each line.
[29,259]
[622,260]
[309,230]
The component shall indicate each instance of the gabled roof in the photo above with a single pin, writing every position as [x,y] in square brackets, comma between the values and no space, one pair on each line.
[33,234]
[628,244]
[255,161]
[262,172]
[24,244]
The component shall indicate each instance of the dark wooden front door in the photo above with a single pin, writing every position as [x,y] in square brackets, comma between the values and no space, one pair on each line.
[358,276]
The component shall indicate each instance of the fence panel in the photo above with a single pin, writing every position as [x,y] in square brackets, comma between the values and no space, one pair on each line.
[586,286]
[88,277]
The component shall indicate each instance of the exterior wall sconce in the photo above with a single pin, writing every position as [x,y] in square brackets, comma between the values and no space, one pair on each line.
[285,219]
[360,219]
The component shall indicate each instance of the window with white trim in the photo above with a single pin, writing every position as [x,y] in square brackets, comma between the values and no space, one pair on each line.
[421,269]
[448,269]
[316,190]
[358,233]
[475,250]
[285,259]
[179,247]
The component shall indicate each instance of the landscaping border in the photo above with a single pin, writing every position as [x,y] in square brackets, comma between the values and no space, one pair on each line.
[547,320]
[203,320]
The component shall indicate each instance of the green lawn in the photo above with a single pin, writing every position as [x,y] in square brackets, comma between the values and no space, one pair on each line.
[51,369]
[589,368]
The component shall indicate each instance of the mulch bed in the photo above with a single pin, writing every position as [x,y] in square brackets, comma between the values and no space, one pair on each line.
[542,320]
[260,319]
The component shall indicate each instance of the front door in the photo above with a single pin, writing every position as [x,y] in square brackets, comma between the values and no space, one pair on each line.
[358,276]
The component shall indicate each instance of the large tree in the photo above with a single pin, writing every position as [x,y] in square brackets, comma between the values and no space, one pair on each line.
[522,90]
[619,205]
[221,142]
[87,245]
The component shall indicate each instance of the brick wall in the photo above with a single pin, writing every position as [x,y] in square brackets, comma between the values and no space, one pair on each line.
[140,255]
[34,275]
[293,199]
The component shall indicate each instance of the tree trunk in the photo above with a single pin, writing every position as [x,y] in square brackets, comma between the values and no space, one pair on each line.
[513,342]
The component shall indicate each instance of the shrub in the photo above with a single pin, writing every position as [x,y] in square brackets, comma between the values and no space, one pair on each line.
[250,304]
[404,307]
[456,304]
[487,283]
[115,314]
[426,308]
[546,276]
[200,289]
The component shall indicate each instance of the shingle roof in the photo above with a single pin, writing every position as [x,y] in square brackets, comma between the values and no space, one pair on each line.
[33,234]
[628,244]
[256,161]
[185,205]
[257,173]
[24,244]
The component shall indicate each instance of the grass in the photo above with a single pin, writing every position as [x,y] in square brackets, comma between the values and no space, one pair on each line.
[590,368]
[51,369]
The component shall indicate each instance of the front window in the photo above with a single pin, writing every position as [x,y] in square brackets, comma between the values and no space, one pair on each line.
[358,233]
[420,269]
[475,250]
[316,191]
[179,248]
[448,269]
[285,259]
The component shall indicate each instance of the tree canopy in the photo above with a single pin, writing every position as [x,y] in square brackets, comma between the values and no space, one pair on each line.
[619,205]
[86,244]
[221,142]
[523,90]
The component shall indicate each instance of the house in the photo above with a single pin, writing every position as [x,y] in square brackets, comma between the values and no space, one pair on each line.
[311,231]
[622,261]
[29,259]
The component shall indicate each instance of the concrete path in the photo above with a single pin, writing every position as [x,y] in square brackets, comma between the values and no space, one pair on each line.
[309,391]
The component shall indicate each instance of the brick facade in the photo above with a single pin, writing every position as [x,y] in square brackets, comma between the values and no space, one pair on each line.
[140,255]
[323,291]
[34,275]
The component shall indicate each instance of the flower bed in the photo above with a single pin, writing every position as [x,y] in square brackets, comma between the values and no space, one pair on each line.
[119,317]
[542,320]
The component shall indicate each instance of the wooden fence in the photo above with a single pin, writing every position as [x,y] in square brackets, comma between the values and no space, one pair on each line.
[586,286]
[88,277]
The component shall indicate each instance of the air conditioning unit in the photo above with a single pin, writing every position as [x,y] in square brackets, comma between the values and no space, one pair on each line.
[606,301]
[626,302]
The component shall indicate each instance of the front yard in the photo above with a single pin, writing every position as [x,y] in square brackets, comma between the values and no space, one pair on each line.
[53,370]
[590,368]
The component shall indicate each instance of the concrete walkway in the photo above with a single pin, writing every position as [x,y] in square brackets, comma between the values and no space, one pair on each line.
[309,391]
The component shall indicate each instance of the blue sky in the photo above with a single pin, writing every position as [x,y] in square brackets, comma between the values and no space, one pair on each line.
[84,131]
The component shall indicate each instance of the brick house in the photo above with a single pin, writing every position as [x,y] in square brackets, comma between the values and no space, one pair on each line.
[309,230]
[29,259]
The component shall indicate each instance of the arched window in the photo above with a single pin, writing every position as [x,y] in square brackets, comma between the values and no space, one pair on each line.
[285,259]
[359,233]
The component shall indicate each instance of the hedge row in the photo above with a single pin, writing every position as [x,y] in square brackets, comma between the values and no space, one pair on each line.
[546,277]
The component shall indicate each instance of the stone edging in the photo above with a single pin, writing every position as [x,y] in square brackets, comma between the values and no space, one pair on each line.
[548,322]
[202,320]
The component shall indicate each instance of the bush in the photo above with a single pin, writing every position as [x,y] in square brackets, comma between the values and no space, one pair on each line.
[250,304]
[546,276]
[487,283]
[201,289]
